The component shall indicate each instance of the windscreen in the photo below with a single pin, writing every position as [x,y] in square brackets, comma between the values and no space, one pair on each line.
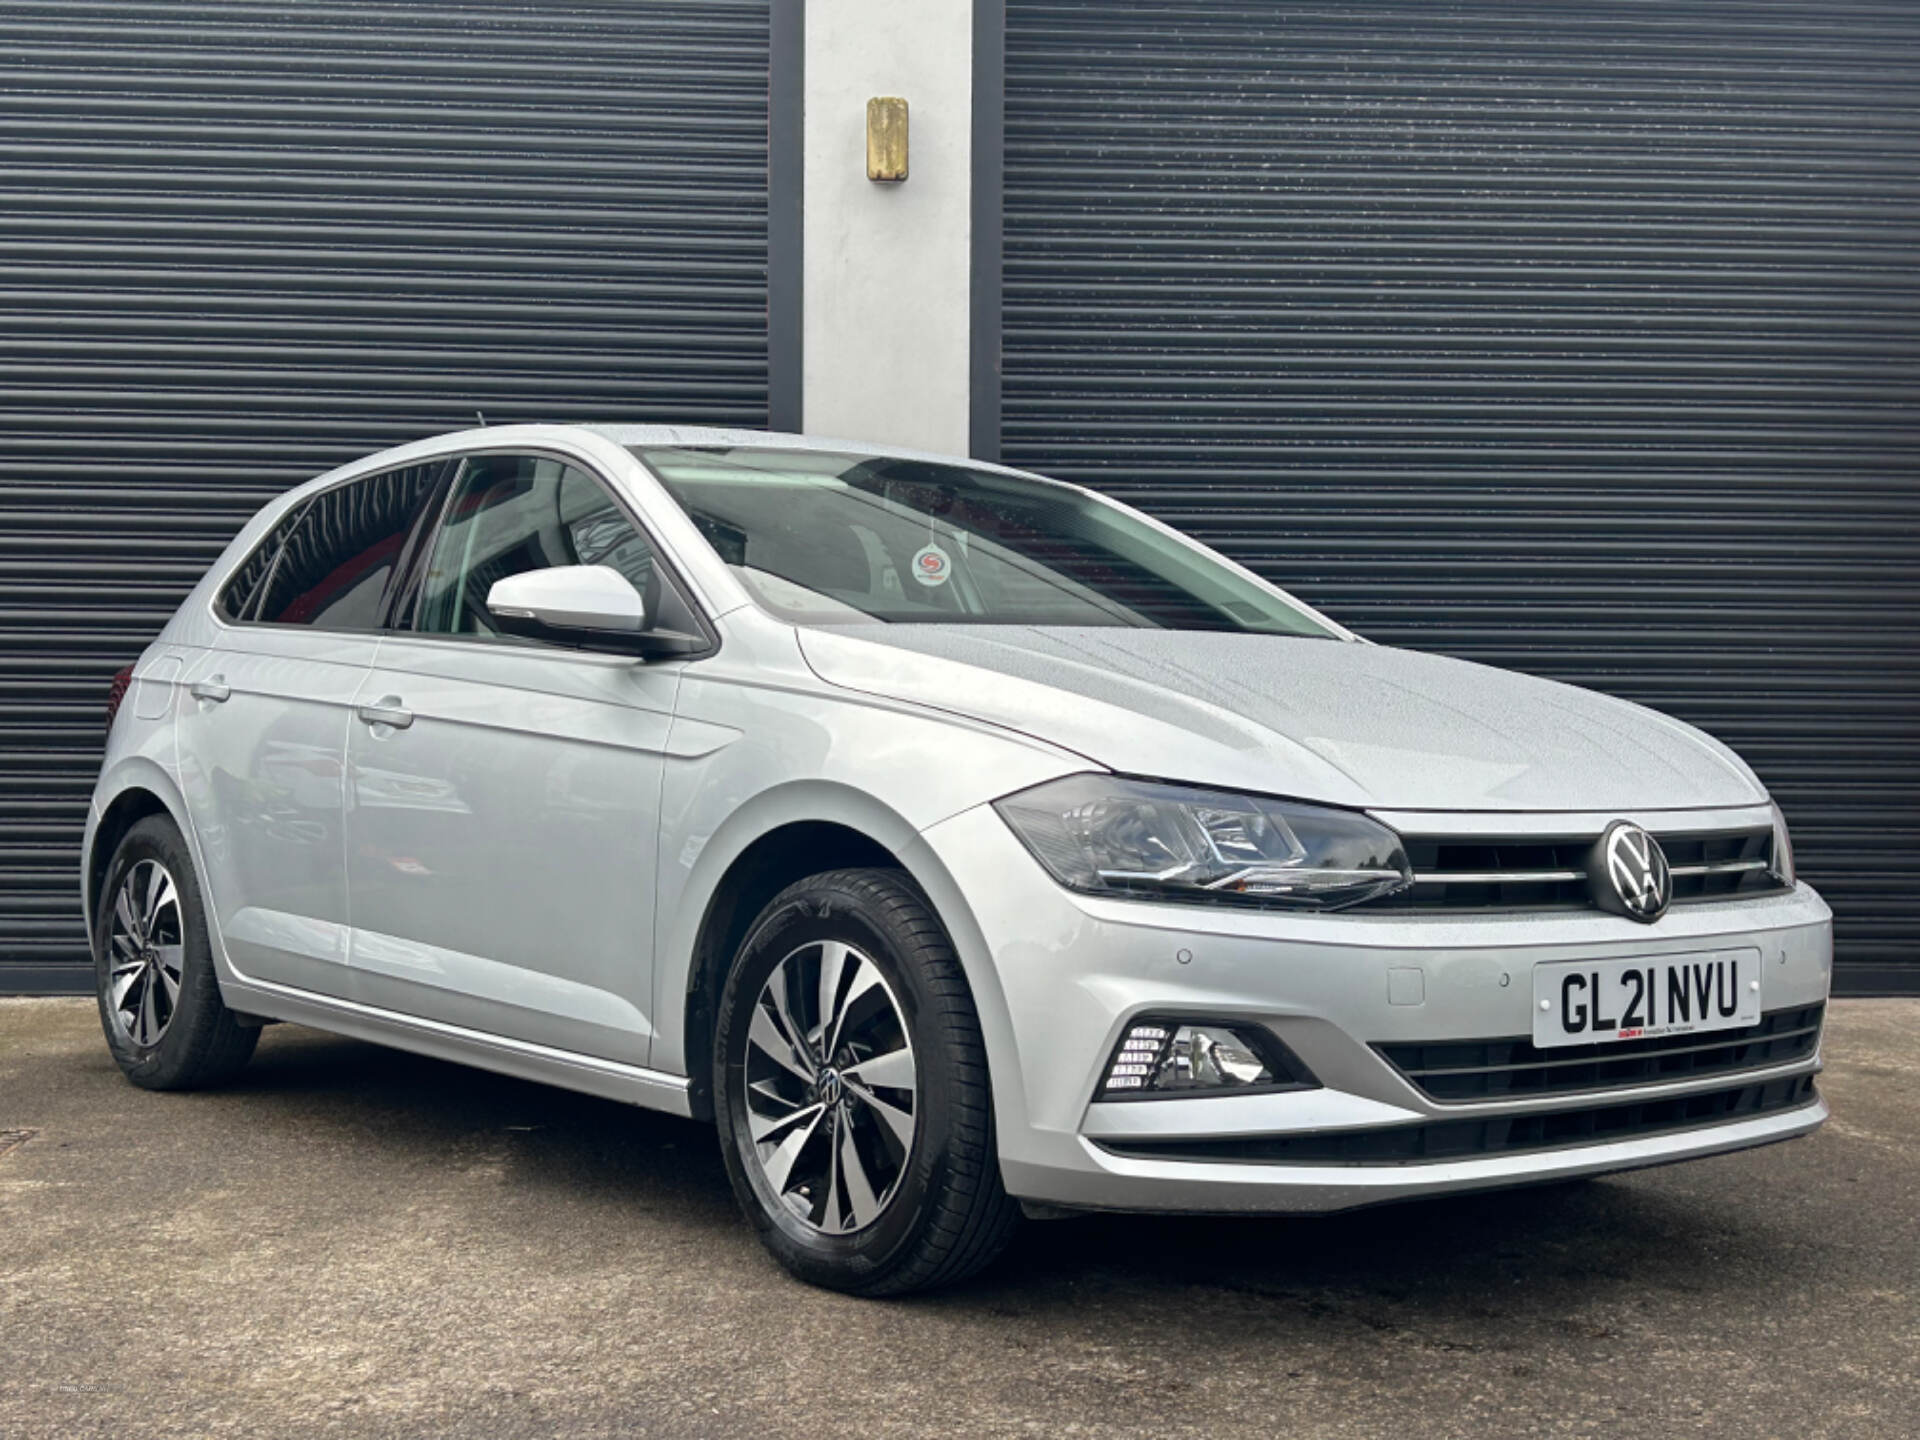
[823,538]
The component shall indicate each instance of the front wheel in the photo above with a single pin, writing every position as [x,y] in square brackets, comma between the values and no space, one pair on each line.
[855,1116]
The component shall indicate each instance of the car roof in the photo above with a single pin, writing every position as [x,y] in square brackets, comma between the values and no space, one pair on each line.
[641,436]
[709,435]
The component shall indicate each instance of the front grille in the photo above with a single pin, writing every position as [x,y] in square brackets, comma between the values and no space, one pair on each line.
[1515,1069]
[1498,1135]
[1538,873]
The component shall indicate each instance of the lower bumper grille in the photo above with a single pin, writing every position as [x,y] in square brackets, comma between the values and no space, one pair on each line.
[1502,1135]
[1456,1071]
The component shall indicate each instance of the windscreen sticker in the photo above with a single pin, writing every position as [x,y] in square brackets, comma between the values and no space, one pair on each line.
[932,565]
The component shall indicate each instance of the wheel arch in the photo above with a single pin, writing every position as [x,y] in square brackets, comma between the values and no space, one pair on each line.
[780,837]
[137,789]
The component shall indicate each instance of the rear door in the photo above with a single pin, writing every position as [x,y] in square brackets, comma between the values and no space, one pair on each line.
[504,795]
[262,729]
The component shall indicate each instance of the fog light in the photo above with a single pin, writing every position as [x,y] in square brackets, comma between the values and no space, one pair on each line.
[1174,1057]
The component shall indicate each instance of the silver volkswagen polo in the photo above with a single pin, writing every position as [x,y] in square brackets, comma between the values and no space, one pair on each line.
[957,841]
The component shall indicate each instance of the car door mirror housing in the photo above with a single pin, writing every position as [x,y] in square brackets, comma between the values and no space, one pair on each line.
[591,607]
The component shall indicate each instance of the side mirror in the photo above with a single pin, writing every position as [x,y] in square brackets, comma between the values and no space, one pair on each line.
[593,607]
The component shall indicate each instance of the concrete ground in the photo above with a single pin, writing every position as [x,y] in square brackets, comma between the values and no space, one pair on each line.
[357,1242]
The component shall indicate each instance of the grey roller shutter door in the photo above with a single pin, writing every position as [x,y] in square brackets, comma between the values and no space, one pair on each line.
[1582,339]
[240,243]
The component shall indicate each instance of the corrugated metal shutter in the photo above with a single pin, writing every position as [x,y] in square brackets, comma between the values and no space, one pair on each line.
[1578,338]
[240,243]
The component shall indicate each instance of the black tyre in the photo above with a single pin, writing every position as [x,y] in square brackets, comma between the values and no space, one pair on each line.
[159,999]
[850,1081]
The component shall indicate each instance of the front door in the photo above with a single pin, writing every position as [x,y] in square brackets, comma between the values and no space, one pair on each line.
[504,795]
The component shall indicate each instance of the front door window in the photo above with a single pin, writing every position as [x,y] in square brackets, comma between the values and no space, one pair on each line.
[513,513]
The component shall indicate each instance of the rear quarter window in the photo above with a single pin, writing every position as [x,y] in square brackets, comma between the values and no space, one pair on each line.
[236,598]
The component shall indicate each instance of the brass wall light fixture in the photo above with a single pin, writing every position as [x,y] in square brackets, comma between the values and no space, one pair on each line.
[887,139]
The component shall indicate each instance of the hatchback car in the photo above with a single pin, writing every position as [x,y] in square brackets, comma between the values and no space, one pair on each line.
[956,840]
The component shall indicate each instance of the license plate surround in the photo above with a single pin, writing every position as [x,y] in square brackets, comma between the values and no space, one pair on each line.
[1564,991]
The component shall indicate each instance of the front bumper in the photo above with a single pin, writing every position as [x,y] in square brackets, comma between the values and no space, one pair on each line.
[1058,977]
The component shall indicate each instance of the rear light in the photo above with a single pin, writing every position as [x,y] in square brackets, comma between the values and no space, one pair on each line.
[116,692]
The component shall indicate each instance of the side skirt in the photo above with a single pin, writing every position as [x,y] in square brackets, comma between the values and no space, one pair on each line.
[633,1084]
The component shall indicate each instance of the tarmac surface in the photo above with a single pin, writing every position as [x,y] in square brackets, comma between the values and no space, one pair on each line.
[355,1242]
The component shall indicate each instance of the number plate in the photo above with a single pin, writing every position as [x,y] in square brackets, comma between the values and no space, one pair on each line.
[1583,1002]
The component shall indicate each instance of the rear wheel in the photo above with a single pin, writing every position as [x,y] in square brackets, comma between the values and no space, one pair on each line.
[159,999]
[854,1110]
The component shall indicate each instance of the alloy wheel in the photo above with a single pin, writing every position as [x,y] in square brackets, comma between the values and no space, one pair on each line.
[831,1093]
[146,942]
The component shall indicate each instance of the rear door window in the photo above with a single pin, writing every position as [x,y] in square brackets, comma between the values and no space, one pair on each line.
[345,551]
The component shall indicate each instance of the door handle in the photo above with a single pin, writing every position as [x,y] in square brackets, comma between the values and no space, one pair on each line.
[213,688]
[388,711]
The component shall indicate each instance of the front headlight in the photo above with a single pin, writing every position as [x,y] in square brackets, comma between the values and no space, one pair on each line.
[1106,835]
[1782,849]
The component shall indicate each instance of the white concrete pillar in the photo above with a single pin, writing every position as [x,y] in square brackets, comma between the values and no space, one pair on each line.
[887,302]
